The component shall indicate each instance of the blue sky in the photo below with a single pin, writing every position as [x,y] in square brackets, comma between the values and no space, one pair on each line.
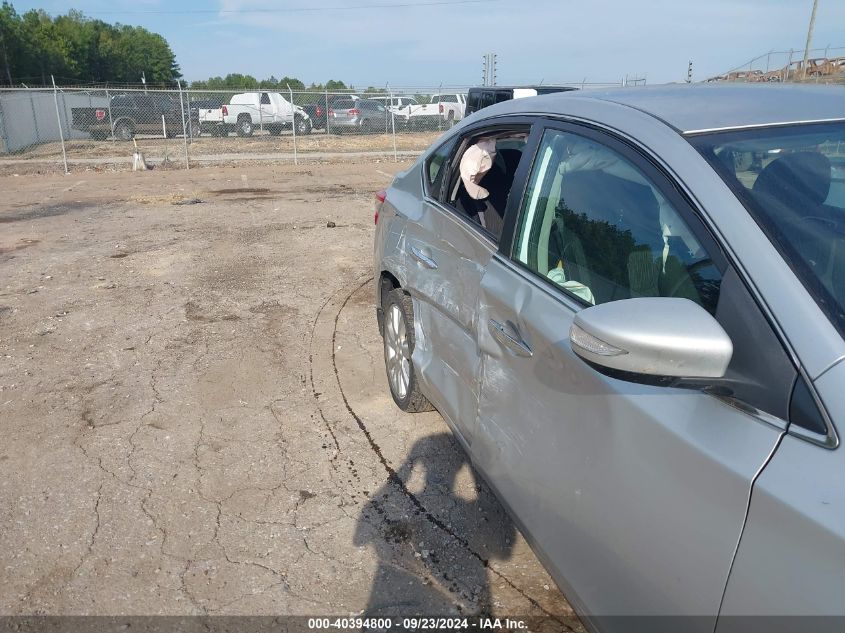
[556,41]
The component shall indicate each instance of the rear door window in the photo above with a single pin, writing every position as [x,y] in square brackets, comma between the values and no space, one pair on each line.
[434,171]
[485,201]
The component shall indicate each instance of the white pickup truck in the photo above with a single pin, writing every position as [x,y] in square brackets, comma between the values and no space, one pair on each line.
[444,110]
[249,111]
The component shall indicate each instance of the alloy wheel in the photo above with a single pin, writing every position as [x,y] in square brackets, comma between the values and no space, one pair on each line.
[397,351]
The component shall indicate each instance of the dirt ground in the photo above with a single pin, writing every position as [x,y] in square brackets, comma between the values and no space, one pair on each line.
[195,417]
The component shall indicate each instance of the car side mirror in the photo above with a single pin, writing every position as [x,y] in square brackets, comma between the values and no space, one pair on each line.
[652,339]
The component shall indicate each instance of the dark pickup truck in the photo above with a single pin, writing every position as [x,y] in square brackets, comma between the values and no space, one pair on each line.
[131,114]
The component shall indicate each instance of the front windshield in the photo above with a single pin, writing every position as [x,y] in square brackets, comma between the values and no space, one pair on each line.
[792,181]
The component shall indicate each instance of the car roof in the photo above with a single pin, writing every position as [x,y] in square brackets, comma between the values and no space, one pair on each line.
[691,108]
[525,87]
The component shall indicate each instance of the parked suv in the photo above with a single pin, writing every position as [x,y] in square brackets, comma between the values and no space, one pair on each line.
[637,332]
[483,96]
[358,115]
[318,109]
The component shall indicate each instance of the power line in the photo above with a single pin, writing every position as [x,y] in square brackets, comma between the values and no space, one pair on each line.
[397,5]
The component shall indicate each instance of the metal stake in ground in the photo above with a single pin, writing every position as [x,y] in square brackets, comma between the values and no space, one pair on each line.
[59,121]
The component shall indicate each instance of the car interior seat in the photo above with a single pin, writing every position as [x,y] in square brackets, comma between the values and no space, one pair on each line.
[798,180]
[617,222]
[795,187]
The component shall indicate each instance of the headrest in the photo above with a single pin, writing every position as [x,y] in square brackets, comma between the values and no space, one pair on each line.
[796,178]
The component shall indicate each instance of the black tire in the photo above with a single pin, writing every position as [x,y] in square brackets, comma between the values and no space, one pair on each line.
[303,125]
[399,320]
[124,131]
[245,127]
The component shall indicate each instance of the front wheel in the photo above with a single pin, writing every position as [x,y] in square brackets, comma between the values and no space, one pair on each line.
[398,347]
[245,127]
[123,131]
[303,125]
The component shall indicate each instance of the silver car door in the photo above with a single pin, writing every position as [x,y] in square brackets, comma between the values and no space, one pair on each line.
[634,495]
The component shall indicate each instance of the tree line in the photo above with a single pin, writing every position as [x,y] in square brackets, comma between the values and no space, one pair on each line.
[77,49]
[237,81]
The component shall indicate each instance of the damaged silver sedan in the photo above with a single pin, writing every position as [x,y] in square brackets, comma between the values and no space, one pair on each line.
[629,306]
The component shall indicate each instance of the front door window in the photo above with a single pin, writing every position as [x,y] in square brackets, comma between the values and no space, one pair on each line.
[593,224]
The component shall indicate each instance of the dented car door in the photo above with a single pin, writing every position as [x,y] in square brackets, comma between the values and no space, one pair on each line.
[634,495]
[445,259]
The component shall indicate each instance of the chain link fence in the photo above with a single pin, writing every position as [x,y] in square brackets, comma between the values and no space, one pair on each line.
[84,128]
[824,65]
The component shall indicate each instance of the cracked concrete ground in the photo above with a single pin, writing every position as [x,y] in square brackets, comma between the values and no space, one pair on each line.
[195,418]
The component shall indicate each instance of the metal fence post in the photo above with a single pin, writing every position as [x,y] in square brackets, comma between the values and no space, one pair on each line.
[393,127]
[293,124]
[111,121]
[34,116]
[439,102]
[4,149]
[67,118]
[184,129]
[327,111]
[59,120]
[190,123]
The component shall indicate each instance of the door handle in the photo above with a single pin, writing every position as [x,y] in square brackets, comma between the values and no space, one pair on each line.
[422,258]
[513,343]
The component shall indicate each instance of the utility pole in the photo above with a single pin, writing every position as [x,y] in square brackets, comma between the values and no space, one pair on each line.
[489,72]
[809,39]
[689,73]
[144,81]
